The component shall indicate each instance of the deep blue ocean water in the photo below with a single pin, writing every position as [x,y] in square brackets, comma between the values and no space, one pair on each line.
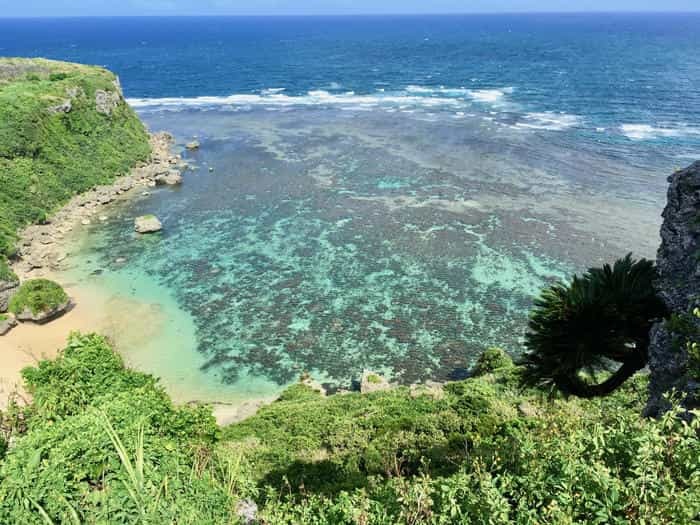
[386,192]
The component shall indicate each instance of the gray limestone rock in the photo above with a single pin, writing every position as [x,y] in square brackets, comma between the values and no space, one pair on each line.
[678,262]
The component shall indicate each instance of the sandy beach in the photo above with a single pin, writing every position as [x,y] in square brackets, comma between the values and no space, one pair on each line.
[28,343]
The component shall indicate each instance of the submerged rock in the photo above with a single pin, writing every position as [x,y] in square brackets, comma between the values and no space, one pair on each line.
[679,287]
[373,382]
[147,224]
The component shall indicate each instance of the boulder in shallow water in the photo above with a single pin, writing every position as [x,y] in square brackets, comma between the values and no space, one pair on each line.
[373,382]
[147,224]
[171,178]
[192,145]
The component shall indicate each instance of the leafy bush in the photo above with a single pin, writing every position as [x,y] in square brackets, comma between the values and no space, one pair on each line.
[92,427]
[48,157]
[491,360]
[600,319]
[37,295]
[103,444]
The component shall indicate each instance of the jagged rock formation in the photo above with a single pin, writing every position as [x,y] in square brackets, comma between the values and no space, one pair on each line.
[678,262]
[7,290]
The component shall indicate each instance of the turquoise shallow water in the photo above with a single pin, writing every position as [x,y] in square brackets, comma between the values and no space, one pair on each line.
[388,192]
[329,241]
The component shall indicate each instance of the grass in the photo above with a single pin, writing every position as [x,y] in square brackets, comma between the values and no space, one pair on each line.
[48,157]
[4,317]
[374,379]
[37,296]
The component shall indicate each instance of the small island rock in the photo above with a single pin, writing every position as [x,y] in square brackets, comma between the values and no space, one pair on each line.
[192,145]
[147,224]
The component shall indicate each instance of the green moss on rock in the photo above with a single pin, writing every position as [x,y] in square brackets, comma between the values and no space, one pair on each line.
[38,296]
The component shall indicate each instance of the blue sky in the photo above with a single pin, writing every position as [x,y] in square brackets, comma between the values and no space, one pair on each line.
[335,7]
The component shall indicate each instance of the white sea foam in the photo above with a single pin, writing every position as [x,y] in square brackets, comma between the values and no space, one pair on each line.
[487,95]
[648,132]
[548,121]
[312,98]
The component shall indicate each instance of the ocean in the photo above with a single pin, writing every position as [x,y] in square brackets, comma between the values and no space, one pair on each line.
[383,193]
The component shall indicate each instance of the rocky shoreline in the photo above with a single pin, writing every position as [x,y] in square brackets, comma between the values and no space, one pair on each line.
[40,248]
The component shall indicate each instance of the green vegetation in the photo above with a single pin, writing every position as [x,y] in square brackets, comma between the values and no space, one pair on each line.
[374,379]
[54,144]
[37,296]
[693,347]
[4,317]
[103,444]
[6,273]
[601,320]
[491,360]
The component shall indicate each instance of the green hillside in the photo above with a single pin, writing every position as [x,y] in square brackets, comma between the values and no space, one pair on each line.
[54,143]
[103,444]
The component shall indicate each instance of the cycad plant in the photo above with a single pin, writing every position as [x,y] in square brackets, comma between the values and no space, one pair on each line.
[597,324]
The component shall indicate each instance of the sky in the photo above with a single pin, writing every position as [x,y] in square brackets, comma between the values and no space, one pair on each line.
[11,8]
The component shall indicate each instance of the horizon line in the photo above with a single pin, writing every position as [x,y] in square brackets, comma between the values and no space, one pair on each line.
[357,15]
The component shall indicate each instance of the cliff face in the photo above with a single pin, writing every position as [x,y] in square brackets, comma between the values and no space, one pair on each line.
[678,262]
[64,129]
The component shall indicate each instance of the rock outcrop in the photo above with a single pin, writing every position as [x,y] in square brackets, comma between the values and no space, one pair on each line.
[7,323]
[373,382]
[107,101]
[678,263]
[39,247]
[147,224]
[44,316]
[7,290]
[170,178]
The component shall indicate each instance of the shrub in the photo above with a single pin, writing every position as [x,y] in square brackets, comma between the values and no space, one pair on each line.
[600,319]
[491,360]
[106,445]
[37,296]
